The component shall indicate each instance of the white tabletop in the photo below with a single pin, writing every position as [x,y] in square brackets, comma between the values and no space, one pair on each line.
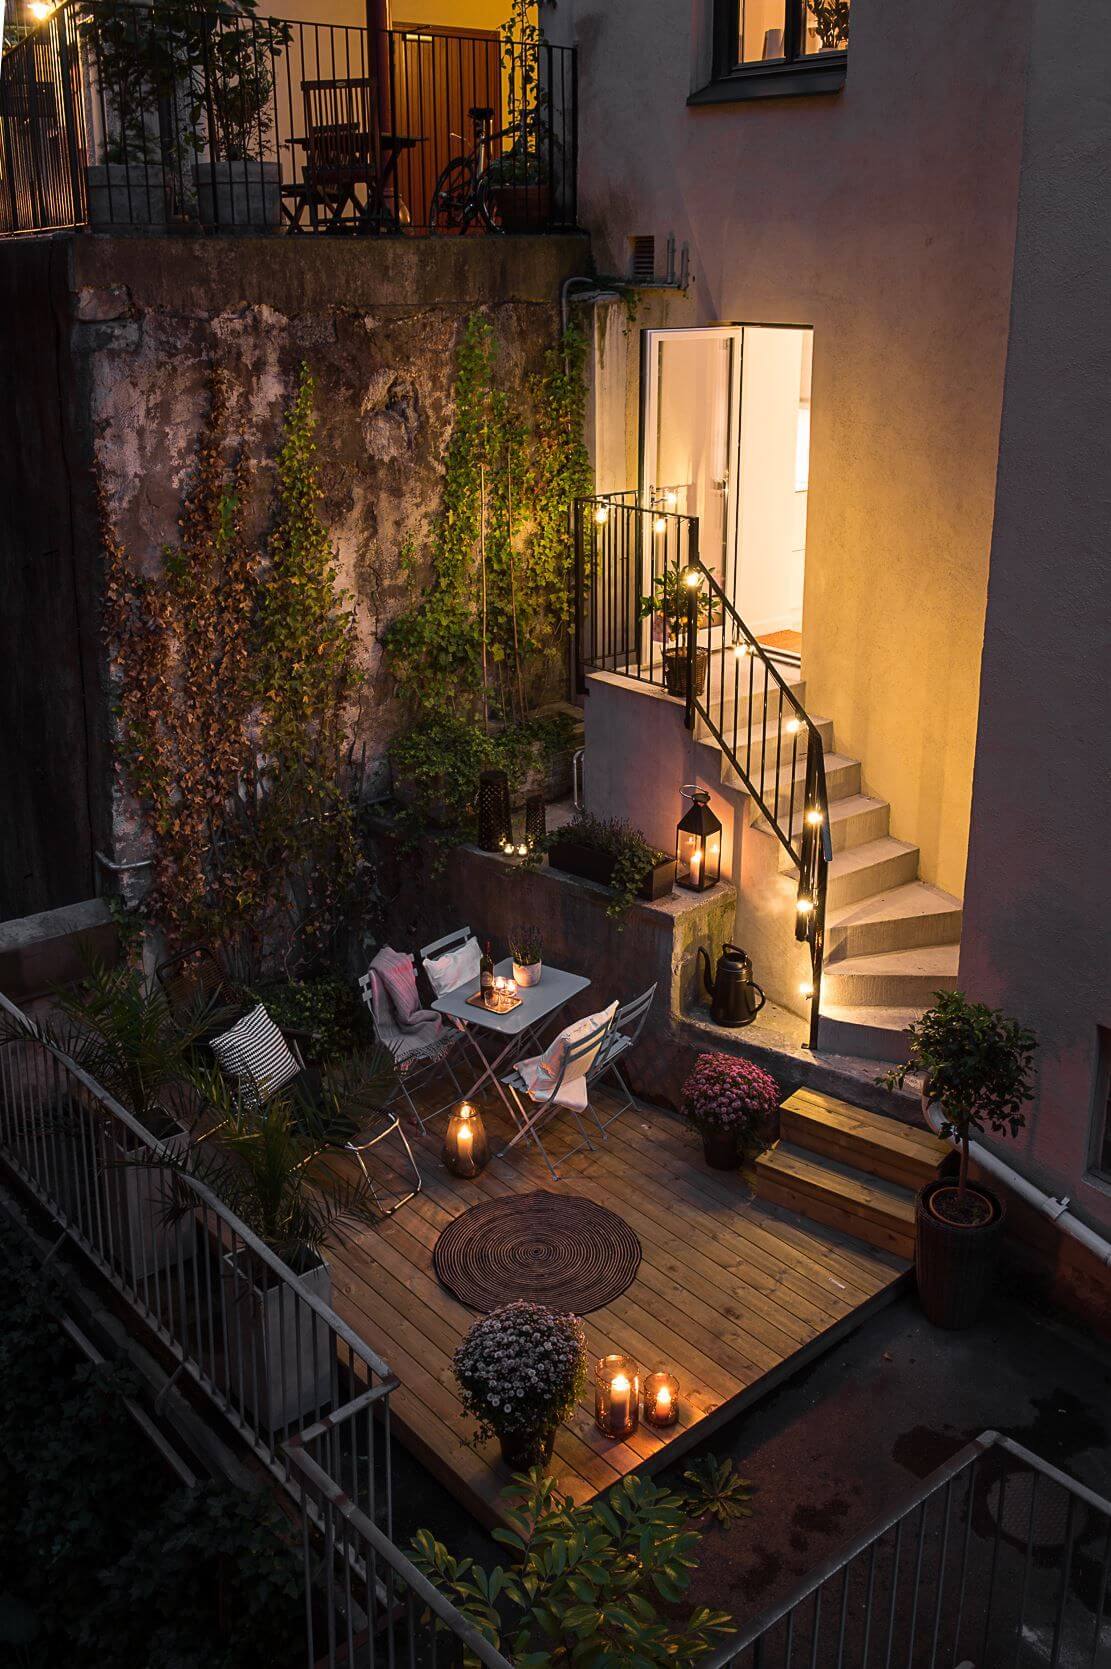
[537,1001]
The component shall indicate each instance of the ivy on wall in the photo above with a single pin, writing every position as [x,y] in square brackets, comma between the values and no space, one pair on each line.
[492,620]
[233,669]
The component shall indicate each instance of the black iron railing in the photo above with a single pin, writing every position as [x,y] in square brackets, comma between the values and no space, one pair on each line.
[649,608]
[997,1558]
[176,116]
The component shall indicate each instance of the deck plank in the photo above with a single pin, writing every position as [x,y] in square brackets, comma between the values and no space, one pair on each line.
[732,1294]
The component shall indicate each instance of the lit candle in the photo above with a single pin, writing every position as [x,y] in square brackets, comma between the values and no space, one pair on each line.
[660,1393]
[661,1409]
[696,863]
[621,1401]
[465,1139]
[511,988]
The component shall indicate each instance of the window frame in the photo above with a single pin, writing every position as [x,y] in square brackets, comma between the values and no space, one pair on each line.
[797,72]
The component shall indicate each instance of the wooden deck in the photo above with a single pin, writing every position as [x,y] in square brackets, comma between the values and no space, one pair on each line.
[732,1295]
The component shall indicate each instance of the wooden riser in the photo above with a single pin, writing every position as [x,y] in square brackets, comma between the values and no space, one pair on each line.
[868,1141]
[835,1216]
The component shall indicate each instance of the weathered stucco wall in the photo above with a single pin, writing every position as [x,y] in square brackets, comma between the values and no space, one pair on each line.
[884,217]
[1036,935]
[377,325]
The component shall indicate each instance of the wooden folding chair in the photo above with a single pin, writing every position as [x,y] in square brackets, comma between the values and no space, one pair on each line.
[343,156]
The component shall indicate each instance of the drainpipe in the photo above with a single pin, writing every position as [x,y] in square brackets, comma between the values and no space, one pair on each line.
[1058,1211]
[378,53]
[565,297]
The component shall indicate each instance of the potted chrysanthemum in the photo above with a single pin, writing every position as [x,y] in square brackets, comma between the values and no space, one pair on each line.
[730,1102]
[521,1371]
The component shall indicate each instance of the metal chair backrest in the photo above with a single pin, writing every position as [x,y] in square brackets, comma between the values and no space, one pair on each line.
[343,139]
[628,1023]
[450,941]
[191,978]
[595,1039]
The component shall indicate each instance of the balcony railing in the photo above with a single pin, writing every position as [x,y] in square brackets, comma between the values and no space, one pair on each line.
[190,118]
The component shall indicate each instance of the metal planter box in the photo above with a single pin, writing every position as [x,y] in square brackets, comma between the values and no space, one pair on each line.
[591,865]
[126,194]
[280,1364]
[145,1241]
[239,196]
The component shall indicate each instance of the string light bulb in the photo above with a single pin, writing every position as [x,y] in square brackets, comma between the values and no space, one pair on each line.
[741,650]
[601,514]
[815,818]
[691,576]
[40,10]
[793,726]
[804,906]
[806,990]
[671,498]
[660,524]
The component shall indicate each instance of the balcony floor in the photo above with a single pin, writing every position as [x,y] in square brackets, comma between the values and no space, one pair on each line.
[732,1295]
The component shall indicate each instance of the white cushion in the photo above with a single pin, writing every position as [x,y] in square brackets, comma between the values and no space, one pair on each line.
[540,1074]
[454,968]
[256,1055]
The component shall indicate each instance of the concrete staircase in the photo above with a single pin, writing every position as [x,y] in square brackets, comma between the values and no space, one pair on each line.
[892,940]
[848,1168]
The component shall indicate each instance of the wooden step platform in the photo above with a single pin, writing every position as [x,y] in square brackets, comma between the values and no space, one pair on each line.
[732,1295]
[850,1169]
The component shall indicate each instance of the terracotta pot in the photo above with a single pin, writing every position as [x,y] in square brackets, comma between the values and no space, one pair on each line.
[527,973]
[955,1262]
[522,1450]
[675,671]
[721,1149]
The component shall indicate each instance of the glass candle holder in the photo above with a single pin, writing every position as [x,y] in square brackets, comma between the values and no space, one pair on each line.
[465,1147]
[661,1399]
[617,1396]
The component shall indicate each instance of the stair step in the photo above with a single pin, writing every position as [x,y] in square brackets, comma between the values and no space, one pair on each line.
[881,1146]
[842,780]
[735,694]
[857,820]
[877,1034]
[824,728]
[875,866]
[869,1207]
[902,917]
[892,978]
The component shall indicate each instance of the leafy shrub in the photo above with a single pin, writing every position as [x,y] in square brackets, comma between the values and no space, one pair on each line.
[526,945]
[328,1010]
[439,761]
[728,1095]
[634,859]
[521,1369]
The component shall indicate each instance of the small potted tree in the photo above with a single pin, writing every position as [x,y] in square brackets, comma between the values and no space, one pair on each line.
[526,947]
[977,1073]
[521,1370]
[666,605]
[731,1103]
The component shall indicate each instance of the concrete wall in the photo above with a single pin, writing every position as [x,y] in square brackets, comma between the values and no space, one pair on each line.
[884,217]
[1036,937]
[378,326]
[52,763]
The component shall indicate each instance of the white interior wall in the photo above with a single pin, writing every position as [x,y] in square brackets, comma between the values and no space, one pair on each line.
[769,555]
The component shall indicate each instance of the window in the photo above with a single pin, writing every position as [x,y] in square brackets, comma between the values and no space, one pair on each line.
[783,31]
[768,47]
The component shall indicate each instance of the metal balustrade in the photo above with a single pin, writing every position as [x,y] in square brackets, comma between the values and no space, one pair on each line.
[998,1558]
[184,117]
[635,615]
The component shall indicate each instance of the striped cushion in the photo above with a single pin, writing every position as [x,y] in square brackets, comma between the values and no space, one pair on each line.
[256,1055]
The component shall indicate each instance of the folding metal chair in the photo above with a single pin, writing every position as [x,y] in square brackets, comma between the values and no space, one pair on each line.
[628,1023]
[416,1062]
[532,1108]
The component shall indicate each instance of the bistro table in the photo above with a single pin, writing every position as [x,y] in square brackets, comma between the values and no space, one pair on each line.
[538,1003]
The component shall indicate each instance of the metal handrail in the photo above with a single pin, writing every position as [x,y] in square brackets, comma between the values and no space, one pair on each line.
[789,1614]
[807,839]
[353,1541]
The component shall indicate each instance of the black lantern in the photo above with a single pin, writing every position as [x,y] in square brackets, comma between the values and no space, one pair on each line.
[494,825]
[697,843]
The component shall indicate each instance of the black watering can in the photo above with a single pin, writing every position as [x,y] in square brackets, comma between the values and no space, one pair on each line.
[735,997]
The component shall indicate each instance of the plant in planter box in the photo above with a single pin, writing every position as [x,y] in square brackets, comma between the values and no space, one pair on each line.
[613,853]
[526,947]
[977,1072]
[729,1101]
[521,1371]
[666,605]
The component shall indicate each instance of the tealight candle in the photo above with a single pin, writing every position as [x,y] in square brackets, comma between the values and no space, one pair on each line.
[617,1396]
[661,1399]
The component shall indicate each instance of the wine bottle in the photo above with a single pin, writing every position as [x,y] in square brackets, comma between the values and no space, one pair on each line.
[486,974]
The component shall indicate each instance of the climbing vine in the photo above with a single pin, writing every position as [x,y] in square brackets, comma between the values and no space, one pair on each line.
[233,669]
[495,611]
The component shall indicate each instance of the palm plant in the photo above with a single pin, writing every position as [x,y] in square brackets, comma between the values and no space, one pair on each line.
[272,1166]
[121,1031]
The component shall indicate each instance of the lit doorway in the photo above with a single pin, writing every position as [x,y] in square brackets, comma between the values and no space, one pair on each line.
[726,438]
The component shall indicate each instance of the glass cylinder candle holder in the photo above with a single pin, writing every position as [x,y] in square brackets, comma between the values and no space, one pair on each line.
[617,1396]
[661,1399]
[465,1147]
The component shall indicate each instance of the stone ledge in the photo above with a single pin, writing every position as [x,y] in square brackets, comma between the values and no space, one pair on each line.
[54,947]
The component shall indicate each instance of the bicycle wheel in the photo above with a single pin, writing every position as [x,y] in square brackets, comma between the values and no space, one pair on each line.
[487,206]
[453,206]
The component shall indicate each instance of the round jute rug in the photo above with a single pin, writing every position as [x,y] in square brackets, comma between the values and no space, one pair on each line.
[553,1249]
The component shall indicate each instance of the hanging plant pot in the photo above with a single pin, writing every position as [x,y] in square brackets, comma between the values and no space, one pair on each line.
[675,671]
[956,1250]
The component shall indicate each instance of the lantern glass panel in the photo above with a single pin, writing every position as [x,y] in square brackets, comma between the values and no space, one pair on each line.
[698,845]
[466,1150]
[617,1396]
[661,1399]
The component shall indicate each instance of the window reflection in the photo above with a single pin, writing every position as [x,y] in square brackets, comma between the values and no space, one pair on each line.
[827,26]
[766,29]
[761,30]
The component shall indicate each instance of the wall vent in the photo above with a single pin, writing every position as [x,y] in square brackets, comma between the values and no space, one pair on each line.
[642,258]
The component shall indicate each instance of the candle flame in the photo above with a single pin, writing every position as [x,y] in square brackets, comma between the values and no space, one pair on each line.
[663,1397]
[620,1382]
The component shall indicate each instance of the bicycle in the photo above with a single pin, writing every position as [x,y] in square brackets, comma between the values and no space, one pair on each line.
[461,195]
